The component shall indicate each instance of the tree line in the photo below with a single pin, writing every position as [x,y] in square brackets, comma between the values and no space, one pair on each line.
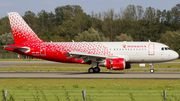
[133,23]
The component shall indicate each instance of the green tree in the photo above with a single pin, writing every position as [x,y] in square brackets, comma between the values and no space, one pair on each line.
[108,25]
[81,21]
[123,37]
[90,35]
[67,12]
[32,20]
[172,39]
[175,13]
[7,39]
[4,25]
[67,28]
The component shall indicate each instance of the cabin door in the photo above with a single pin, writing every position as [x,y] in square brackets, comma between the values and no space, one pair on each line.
[151,50]
[43,49]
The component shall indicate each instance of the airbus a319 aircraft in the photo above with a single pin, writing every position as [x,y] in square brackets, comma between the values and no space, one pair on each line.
[112,55]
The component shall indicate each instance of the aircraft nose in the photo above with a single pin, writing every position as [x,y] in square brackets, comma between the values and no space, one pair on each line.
[175,55]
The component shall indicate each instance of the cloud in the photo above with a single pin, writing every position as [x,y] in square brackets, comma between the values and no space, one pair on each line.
[5,4]
[49,2]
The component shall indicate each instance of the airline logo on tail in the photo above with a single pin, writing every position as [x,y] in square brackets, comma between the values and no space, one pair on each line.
[21,31]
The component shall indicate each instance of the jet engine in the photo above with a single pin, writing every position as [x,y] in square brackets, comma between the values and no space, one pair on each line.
[116,64]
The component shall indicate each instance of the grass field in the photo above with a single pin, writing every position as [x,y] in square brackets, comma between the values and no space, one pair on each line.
[22,60]
[96,89]
[159,67]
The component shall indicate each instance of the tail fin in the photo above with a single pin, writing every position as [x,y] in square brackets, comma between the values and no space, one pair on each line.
[21,31]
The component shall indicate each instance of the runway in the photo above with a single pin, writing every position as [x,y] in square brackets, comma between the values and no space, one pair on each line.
[86,75]
[7,63]
[83,75]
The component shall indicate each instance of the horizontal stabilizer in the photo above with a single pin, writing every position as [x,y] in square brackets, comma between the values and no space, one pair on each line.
[21,48]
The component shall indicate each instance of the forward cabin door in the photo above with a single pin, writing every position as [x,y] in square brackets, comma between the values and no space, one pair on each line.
[151,50]
[43,49]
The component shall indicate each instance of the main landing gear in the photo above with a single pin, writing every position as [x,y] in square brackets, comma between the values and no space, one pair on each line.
[94,70]
[151,66]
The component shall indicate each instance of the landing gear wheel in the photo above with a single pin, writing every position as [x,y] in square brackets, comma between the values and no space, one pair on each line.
[151,70]
[91,70]
[96,70]
[151,66]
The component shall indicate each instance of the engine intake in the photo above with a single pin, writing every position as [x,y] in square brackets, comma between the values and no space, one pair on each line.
[116,64]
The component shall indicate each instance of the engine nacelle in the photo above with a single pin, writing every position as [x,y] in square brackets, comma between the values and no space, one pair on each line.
[116,64]
[128,65]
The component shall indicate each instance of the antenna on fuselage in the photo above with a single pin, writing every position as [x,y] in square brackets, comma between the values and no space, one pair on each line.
[149,40]
[72,40]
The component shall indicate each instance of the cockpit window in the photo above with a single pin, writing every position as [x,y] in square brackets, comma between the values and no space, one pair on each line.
[169,48]
[165,48]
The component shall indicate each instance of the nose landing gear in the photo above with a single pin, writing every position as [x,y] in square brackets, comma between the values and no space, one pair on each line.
[151,66]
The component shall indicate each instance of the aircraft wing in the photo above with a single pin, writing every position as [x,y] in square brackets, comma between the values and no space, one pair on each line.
[93,57]
[85,56]
[21,48]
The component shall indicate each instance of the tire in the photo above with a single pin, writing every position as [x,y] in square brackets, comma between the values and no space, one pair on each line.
[96,69]
[151,70]
[91,70]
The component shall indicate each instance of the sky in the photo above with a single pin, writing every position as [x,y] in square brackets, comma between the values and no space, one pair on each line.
[88,6]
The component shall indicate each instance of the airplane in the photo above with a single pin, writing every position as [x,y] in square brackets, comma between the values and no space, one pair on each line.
[112,55]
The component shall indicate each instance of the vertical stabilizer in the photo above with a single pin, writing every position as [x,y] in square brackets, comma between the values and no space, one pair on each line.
[21,31]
